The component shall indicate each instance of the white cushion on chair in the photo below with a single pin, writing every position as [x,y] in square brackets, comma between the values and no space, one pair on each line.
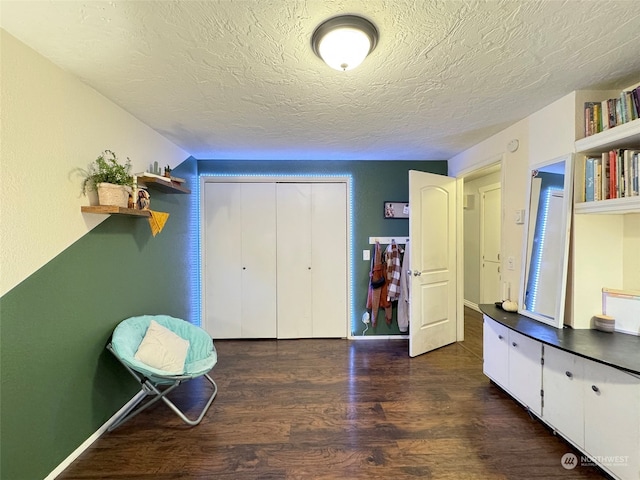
[162,349]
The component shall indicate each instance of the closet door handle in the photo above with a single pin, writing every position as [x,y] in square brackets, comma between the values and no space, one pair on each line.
[500,337]
[244,268]
[514,344]
[568,374]
[417,273]
[595,389]
[409,272]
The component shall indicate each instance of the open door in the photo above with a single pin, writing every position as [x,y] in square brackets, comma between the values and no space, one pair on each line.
[434,269]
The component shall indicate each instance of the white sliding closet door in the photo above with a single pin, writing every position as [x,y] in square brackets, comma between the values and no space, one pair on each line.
[294,265]
[239,260]
[312,260]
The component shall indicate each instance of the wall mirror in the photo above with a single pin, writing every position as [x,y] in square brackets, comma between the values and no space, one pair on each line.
[546,241]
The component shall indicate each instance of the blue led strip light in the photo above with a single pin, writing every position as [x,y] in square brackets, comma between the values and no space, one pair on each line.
[532,294]
[195,256]
[196,247]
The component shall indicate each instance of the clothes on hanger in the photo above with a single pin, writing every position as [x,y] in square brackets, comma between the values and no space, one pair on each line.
[405,292]
[392,255]
[377,294]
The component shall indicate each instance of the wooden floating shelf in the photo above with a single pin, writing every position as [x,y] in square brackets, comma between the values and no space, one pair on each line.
[114,210]
[163,185]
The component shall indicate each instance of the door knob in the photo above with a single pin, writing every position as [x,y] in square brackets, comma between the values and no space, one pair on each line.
[417,273]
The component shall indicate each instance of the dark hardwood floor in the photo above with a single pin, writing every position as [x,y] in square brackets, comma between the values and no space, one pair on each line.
[338,409]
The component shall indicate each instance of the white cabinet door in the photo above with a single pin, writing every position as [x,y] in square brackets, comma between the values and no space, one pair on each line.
[563,383]
[312,260]
[239,260]
[495,363]
[525,370]
[612,419]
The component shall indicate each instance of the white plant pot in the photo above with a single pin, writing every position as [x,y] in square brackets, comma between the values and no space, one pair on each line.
[116,195]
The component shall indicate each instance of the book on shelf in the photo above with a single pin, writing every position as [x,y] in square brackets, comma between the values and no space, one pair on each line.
[606,177]
[636,174]
[610,113]
[589,179]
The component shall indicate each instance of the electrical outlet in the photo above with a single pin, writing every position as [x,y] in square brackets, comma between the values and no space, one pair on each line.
[366,255]
[511,263]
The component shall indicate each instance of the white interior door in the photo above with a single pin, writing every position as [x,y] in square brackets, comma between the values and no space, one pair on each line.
[258,290]
[312,260]
[329,259]
[222,260]
[433,233]
[239,260]
[490,233]
[294,260]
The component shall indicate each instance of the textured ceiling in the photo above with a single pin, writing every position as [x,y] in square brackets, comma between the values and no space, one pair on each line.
[238,79]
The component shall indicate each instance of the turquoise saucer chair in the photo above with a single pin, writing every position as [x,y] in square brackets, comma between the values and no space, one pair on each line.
[157,383]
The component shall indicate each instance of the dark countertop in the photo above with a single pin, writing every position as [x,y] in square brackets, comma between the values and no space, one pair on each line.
[619,350]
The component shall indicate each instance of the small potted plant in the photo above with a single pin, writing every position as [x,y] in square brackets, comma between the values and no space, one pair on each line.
[111,179]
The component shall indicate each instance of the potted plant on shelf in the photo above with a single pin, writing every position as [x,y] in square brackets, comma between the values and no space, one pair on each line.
[111,179]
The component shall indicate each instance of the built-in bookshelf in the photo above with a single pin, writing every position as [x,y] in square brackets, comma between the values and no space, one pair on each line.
[605,230]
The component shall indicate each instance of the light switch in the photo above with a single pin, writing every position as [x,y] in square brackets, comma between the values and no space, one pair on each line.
[366,255]
[519,217]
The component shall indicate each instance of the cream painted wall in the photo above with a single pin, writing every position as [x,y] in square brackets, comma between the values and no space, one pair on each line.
[552,130]
[514,171]
[51,124]
[630,242]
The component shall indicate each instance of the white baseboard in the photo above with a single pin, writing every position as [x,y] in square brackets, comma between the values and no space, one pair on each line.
[87,443]
[378,337]
[472,305]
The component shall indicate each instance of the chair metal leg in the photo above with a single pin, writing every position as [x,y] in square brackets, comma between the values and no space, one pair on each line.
[184,418]
[151,391]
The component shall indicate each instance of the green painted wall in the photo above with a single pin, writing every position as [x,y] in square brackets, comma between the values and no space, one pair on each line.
[374,182]
[59,384]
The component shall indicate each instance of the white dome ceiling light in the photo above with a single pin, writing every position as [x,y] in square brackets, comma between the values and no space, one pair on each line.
[344,42]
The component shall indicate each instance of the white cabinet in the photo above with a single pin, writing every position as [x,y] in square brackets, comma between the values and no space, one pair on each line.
[495,352]
[239,261]
[513,361]
[274,259]
[612,419]
[563,383]
[312,262]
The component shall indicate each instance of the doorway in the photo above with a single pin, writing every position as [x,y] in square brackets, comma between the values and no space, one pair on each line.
[482,219]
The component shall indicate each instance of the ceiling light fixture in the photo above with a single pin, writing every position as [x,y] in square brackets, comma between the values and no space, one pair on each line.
[344,42]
